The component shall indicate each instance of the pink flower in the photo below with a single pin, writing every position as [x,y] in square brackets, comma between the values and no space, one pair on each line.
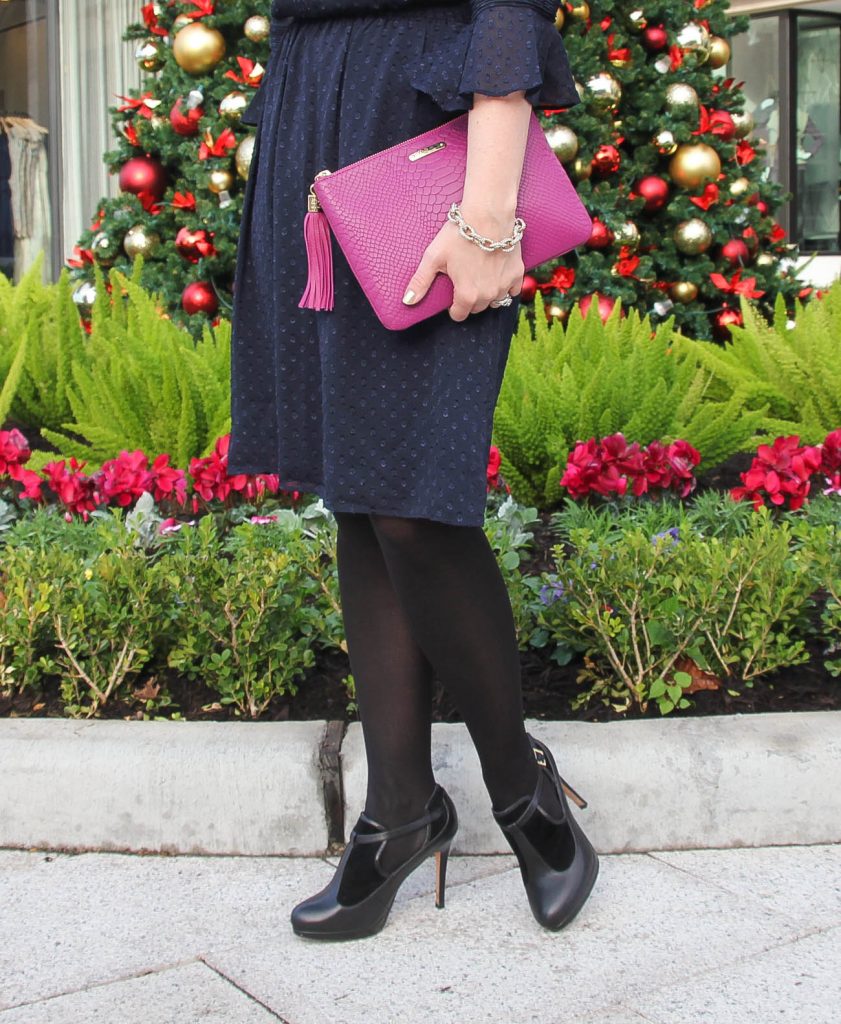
[74,489]
[14,451]
[781,472]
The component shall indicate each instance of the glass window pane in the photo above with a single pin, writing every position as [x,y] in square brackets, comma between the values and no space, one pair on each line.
[755,60]
[25,207]
[817,141]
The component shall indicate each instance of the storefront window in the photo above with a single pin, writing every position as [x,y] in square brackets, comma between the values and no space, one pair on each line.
[790,62]
[817,138]
[26,218]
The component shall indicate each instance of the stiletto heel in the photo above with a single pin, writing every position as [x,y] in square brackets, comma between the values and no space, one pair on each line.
[558,863]
[441,875]
[540,757]
[357,901]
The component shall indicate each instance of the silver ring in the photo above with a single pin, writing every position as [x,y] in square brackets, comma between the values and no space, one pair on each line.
[502,302]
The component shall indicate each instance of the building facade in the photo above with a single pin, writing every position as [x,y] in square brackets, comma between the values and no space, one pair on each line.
[64,62]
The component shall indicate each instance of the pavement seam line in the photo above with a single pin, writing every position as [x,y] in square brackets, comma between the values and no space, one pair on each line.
[132,976]
[245,992]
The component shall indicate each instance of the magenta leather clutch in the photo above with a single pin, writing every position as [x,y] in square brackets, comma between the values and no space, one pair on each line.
[386,208]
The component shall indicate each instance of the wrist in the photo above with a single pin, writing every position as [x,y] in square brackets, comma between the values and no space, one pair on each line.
[494,222]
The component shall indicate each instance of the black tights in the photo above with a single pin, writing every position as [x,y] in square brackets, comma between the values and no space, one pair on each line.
[422,597]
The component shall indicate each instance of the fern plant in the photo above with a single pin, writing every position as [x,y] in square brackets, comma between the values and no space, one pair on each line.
[794,370]
[565,384]
[145,383]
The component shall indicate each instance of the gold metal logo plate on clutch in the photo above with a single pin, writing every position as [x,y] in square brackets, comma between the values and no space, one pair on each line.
[418,153]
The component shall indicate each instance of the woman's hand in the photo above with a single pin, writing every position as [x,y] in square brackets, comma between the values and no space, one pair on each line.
[478,277]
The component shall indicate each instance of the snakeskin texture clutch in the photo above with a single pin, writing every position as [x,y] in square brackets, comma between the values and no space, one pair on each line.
[385,209]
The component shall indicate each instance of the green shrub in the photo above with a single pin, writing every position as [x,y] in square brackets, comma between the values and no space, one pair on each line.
[243,623]
[41,339]
[792,372]
[637,603]
[145,383]
[589,379]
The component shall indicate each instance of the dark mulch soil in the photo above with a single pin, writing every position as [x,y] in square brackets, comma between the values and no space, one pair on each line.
[548,689]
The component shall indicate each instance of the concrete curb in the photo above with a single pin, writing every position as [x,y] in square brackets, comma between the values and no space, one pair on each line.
[280,787]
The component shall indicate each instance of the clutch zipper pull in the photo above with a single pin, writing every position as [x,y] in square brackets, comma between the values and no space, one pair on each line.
[318,293]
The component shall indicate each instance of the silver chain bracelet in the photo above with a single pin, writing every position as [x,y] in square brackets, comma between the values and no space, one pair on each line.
[488,244]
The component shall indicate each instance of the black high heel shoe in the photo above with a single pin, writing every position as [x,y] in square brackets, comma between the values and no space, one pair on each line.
[557,861]
[357,901]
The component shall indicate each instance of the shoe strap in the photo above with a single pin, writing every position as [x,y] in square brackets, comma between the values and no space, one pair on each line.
[545,774]
[381,835]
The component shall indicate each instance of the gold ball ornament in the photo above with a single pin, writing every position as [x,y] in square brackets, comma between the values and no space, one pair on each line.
[150,55]
[681,98]
[637,21]
[560,18]
[693,164]
[603,91]
[581,169]
[198,49]
[683,291]
[694,42]
[693,236]
[220,180]
[104,248]
[244,154]
[564,142]
[719,52]
[257,28]
[743,123]
[581,11]
[627,234]
[233,106]
[140,241]
[739,186]
[664,142]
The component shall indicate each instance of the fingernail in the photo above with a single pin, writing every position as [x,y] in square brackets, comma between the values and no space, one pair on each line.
[409,297]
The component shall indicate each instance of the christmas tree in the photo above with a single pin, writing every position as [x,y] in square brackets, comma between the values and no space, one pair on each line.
[660,153]
[659,148]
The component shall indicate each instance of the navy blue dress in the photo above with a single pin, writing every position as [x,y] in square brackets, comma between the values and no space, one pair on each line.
[372,420]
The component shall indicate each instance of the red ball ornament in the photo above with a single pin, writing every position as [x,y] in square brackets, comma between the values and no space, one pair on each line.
[762,206]
[192,245]
[606,160]
[199,297]
[735,252]
[655,37]
[654,190]
[185,123]
[723,320]
[527,292]
[601,236]
[606,304]
[143,174]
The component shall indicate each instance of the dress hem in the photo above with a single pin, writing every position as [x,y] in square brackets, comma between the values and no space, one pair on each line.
[309,487]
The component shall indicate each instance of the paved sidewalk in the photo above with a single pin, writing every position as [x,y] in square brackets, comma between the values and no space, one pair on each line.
[713,936]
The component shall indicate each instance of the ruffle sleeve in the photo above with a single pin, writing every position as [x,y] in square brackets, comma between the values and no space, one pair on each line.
[506,46]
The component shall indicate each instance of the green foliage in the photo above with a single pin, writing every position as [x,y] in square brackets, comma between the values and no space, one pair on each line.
[590,379]
[510,531]
[635,603]
[243,624]
[792,370]
[145,382]
[41,339]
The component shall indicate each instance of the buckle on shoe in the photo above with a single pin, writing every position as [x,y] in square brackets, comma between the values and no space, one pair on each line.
[540,757]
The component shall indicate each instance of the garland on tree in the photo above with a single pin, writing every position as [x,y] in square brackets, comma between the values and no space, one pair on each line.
[659,149]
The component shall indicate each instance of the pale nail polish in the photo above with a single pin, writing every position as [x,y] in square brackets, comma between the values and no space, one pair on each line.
[409,297]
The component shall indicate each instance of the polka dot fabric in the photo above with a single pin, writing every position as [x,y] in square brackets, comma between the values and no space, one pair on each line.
[372,420]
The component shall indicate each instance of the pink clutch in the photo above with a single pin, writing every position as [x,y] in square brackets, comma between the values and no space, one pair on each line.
[387,207]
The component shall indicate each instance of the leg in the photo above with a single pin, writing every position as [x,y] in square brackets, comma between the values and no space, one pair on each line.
[393,684]
[454,595]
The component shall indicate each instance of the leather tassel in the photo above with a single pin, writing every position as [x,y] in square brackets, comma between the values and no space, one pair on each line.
[318,293]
